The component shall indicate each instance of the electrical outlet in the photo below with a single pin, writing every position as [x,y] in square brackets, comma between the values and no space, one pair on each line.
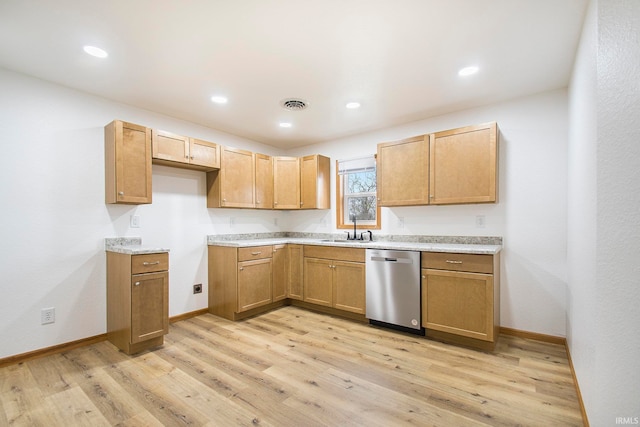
[275,221]
[134,221]
[232,221]
[480,221]
[47,315]
[400,222]
[197,289]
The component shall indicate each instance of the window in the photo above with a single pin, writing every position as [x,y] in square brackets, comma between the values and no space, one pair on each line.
[356,193]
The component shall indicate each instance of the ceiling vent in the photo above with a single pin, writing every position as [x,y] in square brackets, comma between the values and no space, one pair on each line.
[293,104]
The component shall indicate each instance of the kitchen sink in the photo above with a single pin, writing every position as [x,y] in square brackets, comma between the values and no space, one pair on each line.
[343,241]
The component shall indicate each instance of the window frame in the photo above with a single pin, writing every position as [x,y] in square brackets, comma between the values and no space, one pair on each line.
[340,204]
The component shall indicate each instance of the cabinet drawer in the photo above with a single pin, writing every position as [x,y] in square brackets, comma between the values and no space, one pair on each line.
[333,252]
[148,263]
[458,262]
[254,252]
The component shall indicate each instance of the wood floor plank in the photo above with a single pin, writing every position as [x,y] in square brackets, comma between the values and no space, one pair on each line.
[293,367]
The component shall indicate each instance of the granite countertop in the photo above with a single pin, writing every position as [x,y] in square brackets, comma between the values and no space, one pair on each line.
[130,245]
[420,243]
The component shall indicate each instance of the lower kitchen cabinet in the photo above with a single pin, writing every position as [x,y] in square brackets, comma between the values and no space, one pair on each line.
[460,298]
[295,285]
[335,277]
[241,279]
[254,284]
[137,300]
[280,272]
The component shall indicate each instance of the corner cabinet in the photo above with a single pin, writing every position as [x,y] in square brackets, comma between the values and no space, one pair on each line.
[137,300]
[233,185]
[461,298]
[286,183]
[264,181]
[403,172]
[127,163]
[314,182]
[463,165]
[295,264]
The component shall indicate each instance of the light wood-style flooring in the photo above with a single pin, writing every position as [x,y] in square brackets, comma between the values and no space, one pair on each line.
[293,367]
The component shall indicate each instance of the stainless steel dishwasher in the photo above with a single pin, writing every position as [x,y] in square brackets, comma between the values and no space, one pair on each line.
[393,288]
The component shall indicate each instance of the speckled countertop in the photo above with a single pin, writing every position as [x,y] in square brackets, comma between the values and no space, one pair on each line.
[452,244]
[130,245]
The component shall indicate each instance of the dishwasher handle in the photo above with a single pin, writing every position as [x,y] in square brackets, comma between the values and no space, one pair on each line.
[389,259]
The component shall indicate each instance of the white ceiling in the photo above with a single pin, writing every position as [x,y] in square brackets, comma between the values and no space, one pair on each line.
[398,58]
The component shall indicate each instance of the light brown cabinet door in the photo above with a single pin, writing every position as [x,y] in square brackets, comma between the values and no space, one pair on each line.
[149,306]
[314,182]
[458,303]
[403,172]
[204,153]
[127,163]
[286,183]
[254,283]
[237,178]
[349,286]
[169,146]
[463,165]
[318,278]
[264,181]
[280,272]
[296,277]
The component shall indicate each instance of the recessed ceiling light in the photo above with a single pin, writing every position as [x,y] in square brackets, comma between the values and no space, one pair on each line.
[467,71]
[219,99]
[285,124]
[353,105]
[95,51]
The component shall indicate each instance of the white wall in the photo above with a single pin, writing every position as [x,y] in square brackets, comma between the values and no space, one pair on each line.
[54,218]
[530,215]
[604,236]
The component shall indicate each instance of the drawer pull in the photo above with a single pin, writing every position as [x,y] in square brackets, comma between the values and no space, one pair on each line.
[453,262]
[146,263]
[137,283]
[256,253]
[241,268]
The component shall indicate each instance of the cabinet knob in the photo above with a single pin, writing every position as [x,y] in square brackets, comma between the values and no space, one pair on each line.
[424,277]
[186,157]
[191,157]
[275,203]
[137,283]
[120,193]
[258,202]
[241,268]
[301,203]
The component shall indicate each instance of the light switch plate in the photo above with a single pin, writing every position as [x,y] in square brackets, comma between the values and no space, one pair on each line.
[134,221]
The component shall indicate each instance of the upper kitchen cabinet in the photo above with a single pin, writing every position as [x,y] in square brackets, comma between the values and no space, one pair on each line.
[464,165]
[233,185]
[127,163]
[264,181]
[181,151]
[403,172]
[314,182]
[286,183]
